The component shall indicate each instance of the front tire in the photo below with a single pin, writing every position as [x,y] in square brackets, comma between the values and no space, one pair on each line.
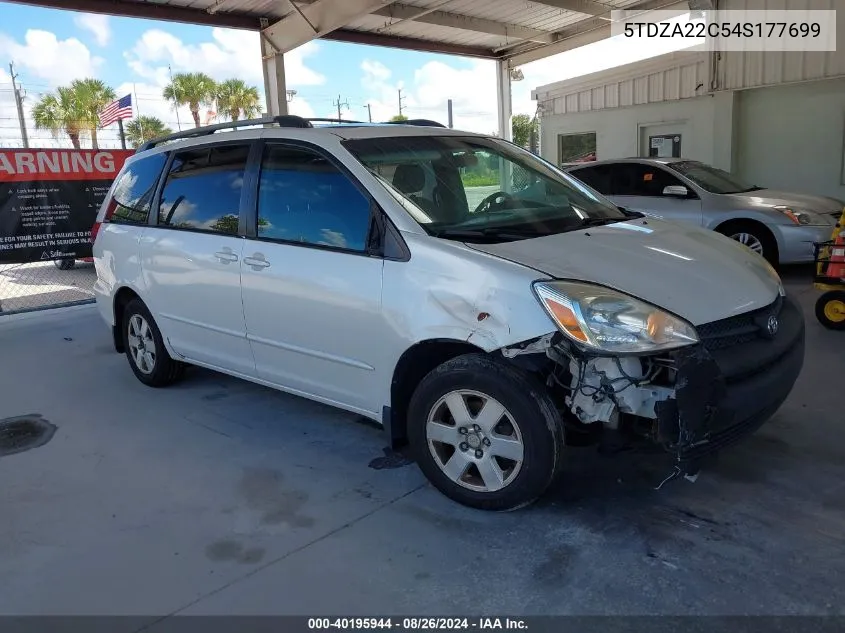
[485,433]
[145,350]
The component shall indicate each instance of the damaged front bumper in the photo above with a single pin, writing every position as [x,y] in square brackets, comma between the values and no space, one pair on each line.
[733,381]
[694,400]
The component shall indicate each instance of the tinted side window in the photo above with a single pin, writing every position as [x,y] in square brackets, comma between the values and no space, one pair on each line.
[134,191]
[203,189]
[302,197]
[597,177]
[635,179]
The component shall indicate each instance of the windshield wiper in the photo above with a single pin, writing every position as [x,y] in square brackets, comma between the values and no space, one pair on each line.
[485,233]
[599,221]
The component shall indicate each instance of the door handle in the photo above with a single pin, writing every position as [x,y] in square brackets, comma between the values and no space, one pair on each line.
[226,255]
[256,262]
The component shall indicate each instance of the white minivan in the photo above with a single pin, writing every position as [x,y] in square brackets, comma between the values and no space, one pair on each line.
[480,304]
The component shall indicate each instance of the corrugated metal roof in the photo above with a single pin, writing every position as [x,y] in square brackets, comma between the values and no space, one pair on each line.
[483,28]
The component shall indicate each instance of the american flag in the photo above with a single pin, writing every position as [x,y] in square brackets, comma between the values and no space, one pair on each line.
[118,109]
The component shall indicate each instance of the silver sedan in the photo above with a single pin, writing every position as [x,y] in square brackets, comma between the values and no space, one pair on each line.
[782,226]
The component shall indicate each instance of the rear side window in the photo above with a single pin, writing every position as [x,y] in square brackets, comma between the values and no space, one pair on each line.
[203,189]
[303,197]
[135,188]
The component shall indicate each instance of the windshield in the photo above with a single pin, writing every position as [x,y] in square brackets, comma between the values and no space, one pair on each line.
[709,178]
[480,189]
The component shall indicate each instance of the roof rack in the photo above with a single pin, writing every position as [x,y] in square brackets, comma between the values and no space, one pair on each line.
[287,120]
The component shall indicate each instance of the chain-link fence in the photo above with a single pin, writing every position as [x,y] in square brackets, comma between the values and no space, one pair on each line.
[45,284]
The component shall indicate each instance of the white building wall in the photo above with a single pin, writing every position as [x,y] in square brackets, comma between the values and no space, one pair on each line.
[737,70]
[704,124]
[775,118]
[670,77]
[793,137]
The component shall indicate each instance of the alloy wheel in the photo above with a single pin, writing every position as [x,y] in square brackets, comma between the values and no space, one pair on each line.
[142,346]
[750,241]
[474,440]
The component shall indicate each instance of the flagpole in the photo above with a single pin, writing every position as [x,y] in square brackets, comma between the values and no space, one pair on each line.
[122,135]
[137,109]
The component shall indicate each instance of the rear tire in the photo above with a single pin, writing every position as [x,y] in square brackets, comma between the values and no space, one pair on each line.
[145,350]
[830,310]
[485,433]
[754,236]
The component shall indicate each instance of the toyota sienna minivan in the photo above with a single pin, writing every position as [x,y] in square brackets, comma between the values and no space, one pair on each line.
[480,304]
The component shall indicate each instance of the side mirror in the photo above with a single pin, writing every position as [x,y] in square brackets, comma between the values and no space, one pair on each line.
[676,190]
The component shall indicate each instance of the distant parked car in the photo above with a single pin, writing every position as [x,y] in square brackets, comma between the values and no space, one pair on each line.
[779,225]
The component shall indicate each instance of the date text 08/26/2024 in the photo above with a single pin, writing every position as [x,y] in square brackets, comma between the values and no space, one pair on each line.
[415,624]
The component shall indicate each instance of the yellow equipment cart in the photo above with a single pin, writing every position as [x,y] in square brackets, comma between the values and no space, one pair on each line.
[830,277]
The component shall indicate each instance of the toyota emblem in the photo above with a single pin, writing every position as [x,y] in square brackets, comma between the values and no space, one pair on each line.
[772,325]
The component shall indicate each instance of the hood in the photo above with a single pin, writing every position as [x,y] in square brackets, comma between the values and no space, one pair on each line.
[773,197]
[699,275]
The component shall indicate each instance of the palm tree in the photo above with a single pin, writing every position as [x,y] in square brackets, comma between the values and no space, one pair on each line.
[61,112]
[145,128]
[192,90]
[235,97]
[92,96]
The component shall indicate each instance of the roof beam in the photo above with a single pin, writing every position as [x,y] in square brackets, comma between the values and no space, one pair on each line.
[316,19]
[410,43]
[581,6]
[400,11]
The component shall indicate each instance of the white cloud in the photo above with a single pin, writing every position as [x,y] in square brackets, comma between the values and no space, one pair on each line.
[472,91]
[231,53]
[375,69]
[97,24]
[44,56]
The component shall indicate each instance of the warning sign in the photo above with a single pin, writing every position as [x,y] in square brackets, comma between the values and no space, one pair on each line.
[49,200]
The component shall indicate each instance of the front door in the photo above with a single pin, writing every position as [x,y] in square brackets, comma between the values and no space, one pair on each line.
[642,186]
[311,292]
[191,259]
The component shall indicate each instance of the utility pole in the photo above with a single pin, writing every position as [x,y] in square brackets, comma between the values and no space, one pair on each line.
[449,111]
[370,112]
[175,103]
[340,104]
[19,106]
[401,98]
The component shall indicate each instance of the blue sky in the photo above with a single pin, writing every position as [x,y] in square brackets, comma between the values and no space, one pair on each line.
[52,47]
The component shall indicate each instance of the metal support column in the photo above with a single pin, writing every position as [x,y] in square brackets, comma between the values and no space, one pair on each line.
[503,98]
[275,89]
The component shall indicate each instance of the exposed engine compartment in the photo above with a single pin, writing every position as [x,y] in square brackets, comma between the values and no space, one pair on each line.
[600,388]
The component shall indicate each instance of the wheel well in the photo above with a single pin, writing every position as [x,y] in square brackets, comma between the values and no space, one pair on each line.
[729,225]
[121,300]
[412,367]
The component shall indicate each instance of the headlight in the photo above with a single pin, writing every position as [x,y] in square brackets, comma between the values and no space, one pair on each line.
[610,321]
[802,217]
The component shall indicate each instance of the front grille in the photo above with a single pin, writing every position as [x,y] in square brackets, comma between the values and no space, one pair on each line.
[739,329]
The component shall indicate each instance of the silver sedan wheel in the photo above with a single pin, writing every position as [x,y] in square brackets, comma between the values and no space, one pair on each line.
[474,440]
[746,239]
[142,346]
